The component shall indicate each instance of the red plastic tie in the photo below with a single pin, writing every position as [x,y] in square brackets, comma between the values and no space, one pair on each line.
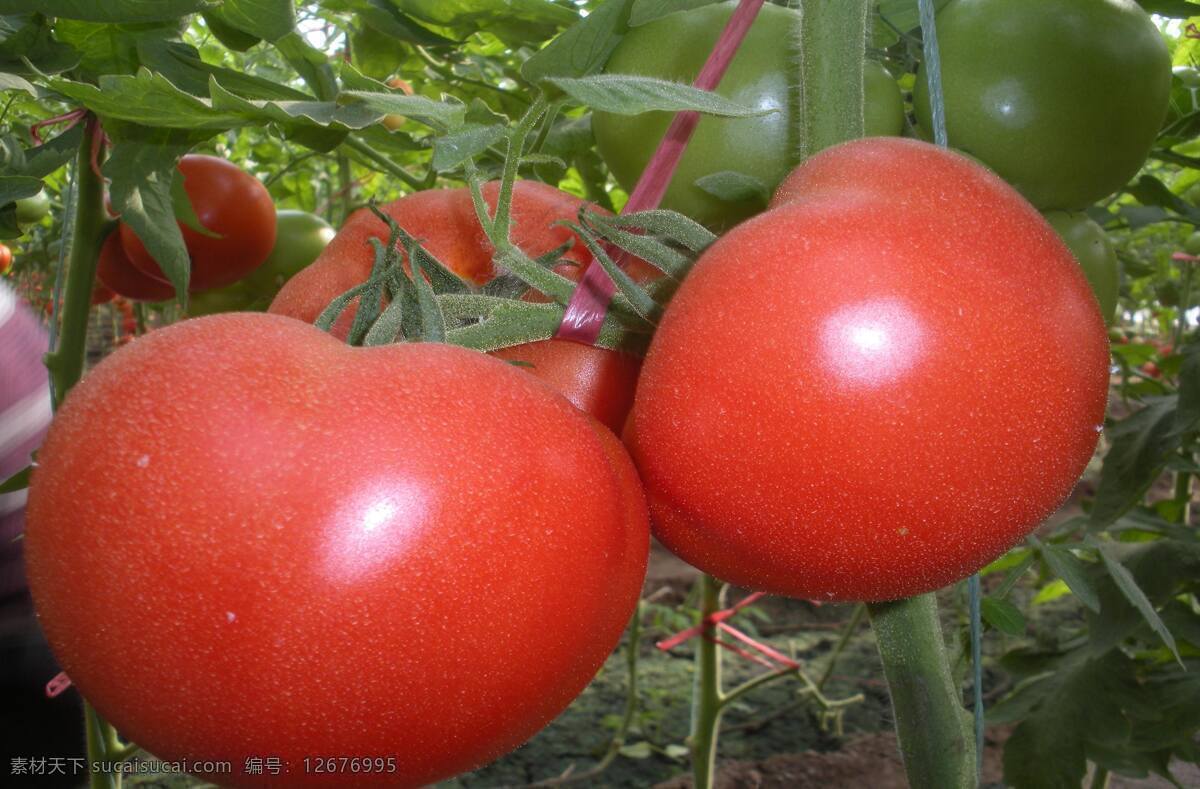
[70,118]
[56,686]
[718,620]
[1185,257]
[589,303]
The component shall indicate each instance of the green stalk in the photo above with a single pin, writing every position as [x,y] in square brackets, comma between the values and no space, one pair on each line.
[1100,778]
[933,728]
[833,36]
[706,695]
[66,361]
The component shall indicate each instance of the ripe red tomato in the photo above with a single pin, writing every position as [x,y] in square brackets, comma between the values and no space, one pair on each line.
[6,259]
[229,202]
[117,272]
[595,380]
[1062,98]
[226,569]
[869,426]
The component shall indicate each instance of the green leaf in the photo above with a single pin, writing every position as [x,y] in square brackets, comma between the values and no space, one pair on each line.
[1002,615]
[584,47]
[466,142]
[1129,587]
[1150,191]
[270,20]
[13,82]
[143,177]
[1073,572]
[1051,591]
[1176,9]
[648,10]
[18,481]
[438,114]
[625,94]
[394,25]
[512,21]
[115,11]
[28,37]
[230,36]
[735,187]
[1141,446]
[113,49]
[146,99]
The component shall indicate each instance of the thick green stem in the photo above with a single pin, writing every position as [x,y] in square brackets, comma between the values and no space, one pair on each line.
[98,733]
[1100,778]
[706,695]
[833,36]
[66,361]
[933,728]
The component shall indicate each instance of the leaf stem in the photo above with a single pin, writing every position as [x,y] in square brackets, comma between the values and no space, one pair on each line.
[933,728]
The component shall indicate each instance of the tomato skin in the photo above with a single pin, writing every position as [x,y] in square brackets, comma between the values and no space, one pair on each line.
[1062,98]
[437,593]
[229,202]
[444,220]
[869,426]
[299,240]
[101,293]
[763,146]
[32,209]
[116,271]
[1090,245]
[595,380]
[6,259]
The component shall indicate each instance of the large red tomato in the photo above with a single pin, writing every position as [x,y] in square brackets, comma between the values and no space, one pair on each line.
[229,202]
[248,539]
[917,382]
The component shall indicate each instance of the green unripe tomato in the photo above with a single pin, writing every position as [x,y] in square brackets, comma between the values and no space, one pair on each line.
[299,239]
[1090,245]
[32,209]
[1062,98]
[674,47]
[1192,245]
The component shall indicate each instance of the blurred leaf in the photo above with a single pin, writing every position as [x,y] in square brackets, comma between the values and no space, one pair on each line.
[265,19]
[1176,9]
[512,21]
[1051,591]
[13,82]
[388,20]
[1073,572]
[1150,191]
[1002,615]
[111,48]
[472,139]
[115,11]
[1141,445]
[624,94]
[1128,585]
[735,187]
[227,34]
[648,10]
[29,37]
[638,750]
[584,47]
[18,481]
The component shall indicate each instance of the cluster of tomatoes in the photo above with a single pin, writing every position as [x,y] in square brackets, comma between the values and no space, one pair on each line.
[422,552]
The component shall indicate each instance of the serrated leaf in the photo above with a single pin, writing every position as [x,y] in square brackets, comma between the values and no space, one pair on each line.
[1129,587]
[584,47]
[734,187]
[142,177]
[624,94]
[1002,615]
[668,224]
[27,39]
[114,11]
[1141,445]
[466,142]
[439,114]
[146,99]
[1073,572]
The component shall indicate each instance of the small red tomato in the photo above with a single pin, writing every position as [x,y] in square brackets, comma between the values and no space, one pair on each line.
[6,259]
[115,271]
[229,202]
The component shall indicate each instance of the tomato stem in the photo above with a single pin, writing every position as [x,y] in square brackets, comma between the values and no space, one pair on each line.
[832,49]
[66,361]
[933,728]
[706,695]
